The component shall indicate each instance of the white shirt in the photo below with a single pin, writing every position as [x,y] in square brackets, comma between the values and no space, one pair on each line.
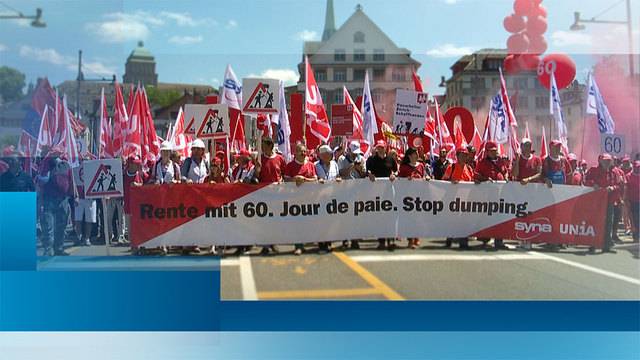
[165,173]
[329,172]
[196,172]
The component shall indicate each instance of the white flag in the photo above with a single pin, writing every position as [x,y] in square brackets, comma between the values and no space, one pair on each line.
[498,122]
[369,125]
[596,106]
[555,108]
[231,90]
[281,119]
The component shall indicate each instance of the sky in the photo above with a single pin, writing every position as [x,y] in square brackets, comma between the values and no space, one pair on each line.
[193,41]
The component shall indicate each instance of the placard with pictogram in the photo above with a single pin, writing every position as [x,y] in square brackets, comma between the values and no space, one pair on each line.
[103,178]
[260,96]
[210,121]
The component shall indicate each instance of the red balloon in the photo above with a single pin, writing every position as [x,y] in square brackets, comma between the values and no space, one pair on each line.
[539,11]
[511,65]
[536,2]
[536,25]
[522,7]
[528,61]
[514,23]
[537,44]
[562,67]
[518,43]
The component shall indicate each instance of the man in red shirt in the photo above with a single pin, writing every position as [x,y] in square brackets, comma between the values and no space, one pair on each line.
[632,197]
[300,170]
[271,167]
[605,175]
[492,168]
[575,177]
[527,167]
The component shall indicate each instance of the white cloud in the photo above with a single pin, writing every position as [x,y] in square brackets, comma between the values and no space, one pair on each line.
[185,19]
[185,40]
[450,50]
[306,35]
[289,76]
[570,38]
[121,27]
[451,2]
[52,56]
[232,24]
[3,47]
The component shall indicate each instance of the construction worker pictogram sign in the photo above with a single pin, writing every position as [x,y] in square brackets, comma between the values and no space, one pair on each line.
[211,121]
[190,128]
[260,96]
[103,178]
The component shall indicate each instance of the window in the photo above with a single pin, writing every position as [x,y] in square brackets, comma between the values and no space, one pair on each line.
[495,83]
[339,75]
[399,75]
[358,37]
[358,74]
[339,55]
[542,102]
[378,74]
[377,95]
[523,102]
[338,97]
[358,55]
[520,84]
[378,55]
[321,75]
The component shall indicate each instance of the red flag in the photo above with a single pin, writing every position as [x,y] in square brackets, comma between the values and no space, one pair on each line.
[417,84]
[150,142]
[526,130]
[106,143]
[444,136]
[132,129]
[45,134]
[544,151]
[476,141]
[264,124]
[514,144]
[236,127]
[358,133]
[319,130]
[130,100]
[69,145]
[120,122]
[461,142]
[178,139]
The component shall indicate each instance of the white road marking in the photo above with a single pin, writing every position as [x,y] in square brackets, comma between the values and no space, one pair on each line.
[444,257]
[229,262]
[588,268]
[247,281]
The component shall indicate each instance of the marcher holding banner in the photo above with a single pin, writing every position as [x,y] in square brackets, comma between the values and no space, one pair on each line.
[607,176]
[527,167]
[300,170]
[132,176]
[327,171]
[244,170]
[411,168]
[351,163]
[195,168]
[380,164]
[270,169]
[165,171]
[555,167]
[457,172]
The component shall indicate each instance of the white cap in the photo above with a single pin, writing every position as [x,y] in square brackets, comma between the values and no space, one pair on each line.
[166,146]
[197,143]
[324,149]
[525,140]
[354,147]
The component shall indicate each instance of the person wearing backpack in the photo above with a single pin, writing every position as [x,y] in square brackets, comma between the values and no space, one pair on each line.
[165,171]
[195,168]
[56,182]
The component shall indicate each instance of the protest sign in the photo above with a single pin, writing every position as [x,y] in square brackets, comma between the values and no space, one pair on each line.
[342,119]
[102,178]
[260,96]
[410,112]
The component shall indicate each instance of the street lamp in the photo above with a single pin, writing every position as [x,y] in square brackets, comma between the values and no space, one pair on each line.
[36,19]
[578,26]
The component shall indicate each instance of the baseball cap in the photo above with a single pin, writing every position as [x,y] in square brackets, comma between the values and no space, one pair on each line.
[490,145]
[381,143]
[555,143]
[525,141]
[324,149]
[166,146]
[605,156]
[354,147]
[572,157]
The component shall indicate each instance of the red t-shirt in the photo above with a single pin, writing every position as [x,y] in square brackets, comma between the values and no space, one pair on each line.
[407,170]
[528,167]
[614,177]
[272,169]
[633,187]
[575,178]
[494,170]
[293,169]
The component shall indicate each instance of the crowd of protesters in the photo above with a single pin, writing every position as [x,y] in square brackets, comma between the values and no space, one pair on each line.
[61,204]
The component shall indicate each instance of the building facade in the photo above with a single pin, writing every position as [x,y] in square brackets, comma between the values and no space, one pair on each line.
[346,54]
[140,67]
[475,80]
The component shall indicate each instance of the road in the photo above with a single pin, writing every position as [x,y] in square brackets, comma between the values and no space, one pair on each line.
[431,272]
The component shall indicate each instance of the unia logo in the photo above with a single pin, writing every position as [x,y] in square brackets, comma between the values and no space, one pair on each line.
[581,229]
[532,229]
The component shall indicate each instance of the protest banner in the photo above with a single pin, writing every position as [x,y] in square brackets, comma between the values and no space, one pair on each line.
[342,119]
[239,214]
[260,96]
[410,112]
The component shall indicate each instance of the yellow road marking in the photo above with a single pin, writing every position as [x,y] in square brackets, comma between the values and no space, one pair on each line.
[316,294]
[299,270]
[377,284]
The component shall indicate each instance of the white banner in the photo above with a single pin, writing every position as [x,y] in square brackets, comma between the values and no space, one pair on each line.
[233,214]
[410,111]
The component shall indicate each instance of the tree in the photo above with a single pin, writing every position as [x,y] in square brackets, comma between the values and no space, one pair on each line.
[11,83]
[162,98]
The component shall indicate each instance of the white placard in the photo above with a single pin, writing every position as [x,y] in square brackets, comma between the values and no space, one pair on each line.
[102,178]
[410,112]
[210,121]
[612,144]
[260,96]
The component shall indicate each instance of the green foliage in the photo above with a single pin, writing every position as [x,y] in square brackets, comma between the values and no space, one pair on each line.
[11,83]
[162,98]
